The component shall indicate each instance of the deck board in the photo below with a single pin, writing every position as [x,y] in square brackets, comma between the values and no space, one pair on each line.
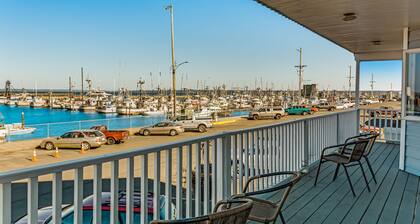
[394,199]
[330,190]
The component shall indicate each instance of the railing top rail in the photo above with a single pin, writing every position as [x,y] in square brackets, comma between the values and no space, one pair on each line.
[20,174]
[91,120]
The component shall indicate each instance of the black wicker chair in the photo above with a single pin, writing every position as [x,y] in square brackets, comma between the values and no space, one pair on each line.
[265,211]
[234,211]
[371,136]
[347,154]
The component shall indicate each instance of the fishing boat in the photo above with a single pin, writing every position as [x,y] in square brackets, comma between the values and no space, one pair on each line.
[18,129]
[107,108]
[14,129]
[37,102]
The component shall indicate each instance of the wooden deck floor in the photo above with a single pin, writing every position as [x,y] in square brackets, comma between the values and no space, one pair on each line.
[394,199]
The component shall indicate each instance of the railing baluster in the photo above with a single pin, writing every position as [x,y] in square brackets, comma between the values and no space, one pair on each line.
[241,163]
[252,159]
[189,208]
[156,187]
[214,172]
[258,159]
[206,178]
[97,194]
[179,184]
[130,191]
[235,162]
[57,197]
[143,188]
[78,195]
[6,203]
[197,179]
[168,184]
[114,191]
[246,153]
[33,200]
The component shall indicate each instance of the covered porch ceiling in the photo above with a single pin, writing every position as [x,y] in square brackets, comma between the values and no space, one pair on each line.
[371,29]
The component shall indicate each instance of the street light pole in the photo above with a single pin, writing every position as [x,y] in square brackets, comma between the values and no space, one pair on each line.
[171,11]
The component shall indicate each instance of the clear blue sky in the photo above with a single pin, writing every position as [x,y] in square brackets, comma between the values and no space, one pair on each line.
[117,41]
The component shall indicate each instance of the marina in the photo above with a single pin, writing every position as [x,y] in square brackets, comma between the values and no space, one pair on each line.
[265,111]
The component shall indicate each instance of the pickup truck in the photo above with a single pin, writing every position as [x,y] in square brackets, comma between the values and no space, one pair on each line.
[112,136]
[326,106]
[200,125]
[264,112]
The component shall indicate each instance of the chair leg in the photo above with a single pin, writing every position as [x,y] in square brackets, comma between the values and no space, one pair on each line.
[370,169]
[336,171]
[364,175]
[317,172]
[282,218]
[348,178]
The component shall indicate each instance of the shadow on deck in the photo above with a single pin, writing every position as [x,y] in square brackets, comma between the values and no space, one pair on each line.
[394,199]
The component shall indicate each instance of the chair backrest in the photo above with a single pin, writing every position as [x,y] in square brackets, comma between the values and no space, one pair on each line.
[286,185]
[358,149]
[230,211]
[372,139]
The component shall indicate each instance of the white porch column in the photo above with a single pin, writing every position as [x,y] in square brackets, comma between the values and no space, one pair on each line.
[403,100]
[357,88]
[357,93]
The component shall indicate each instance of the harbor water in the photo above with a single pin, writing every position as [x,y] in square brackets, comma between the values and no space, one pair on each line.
[55,122]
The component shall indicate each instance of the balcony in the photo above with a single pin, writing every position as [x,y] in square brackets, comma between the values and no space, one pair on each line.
[194,174]
[394,199]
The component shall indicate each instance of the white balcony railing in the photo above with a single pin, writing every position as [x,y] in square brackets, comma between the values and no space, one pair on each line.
[195,173]
[385,122]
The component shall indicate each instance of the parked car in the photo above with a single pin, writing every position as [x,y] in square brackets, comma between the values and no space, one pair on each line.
[112,136]
[326,106]
[161,128]
[200,125]
[298,110]
[86,139]
[266,112]
[45,214]
[314,109]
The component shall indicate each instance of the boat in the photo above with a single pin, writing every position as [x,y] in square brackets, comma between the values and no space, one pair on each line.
[18,129]
[37,103]
[107,108]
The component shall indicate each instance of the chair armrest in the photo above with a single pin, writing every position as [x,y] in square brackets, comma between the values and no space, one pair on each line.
[296,177]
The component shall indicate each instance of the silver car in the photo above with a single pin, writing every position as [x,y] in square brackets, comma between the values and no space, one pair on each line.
[85,139]
[162,128]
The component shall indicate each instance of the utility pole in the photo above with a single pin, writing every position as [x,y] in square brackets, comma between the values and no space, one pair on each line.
[70,88]
[81,92]
[300,71]
[170,8]
[372,82]
[350,77]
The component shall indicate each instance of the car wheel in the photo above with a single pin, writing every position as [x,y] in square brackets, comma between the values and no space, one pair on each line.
[202,128]
[146,132]
[304,113]
[173,132]
[49,146]
[255,117]
[278,116]
[110,141]
[85,145]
